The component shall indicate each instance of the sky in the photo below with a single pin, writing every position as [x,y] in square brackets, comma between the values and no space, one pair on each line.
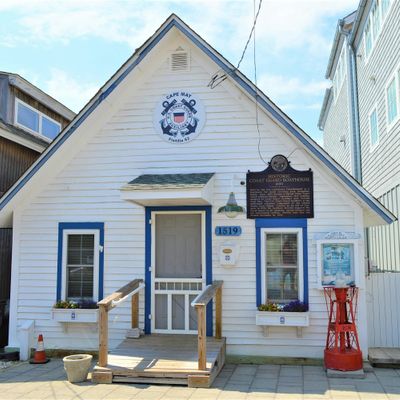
[70,48]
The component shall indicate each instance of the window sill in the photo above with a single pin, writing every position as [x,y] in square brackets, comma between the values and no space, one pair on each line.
[75,315]
[282,318]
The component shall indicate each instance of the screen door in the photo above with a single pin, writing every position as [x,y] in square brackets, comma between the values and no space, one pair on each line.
[177,271]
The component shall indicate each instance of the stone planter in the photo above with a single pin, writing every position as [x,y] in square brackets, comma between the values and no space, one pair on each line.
[77,367]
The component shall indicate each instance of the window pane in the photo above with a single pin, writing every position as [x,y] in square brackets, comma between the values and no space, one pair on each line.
[28,117]
[373,120]
[384,7]
[281,249]
[80,283]
[80,250]
[368,39]
[49,128]
[376,19]
[282,284]
[391,101]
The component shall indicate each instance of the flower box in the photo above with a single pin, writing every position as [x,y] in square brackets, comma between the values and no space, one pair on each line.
[281,318]
[75,315]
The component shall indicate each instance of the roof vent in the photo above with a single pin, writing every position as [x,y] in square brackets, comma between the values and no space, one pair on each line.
[179,61]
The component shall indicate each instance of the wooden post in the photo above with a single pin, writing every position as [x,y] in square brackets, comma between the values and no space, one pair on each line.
[103,335]
[201,337]
[218,313]
[135,311]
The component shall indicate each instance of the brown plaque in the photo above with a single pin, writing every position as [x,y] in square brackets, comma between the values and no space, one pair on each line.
[280,192]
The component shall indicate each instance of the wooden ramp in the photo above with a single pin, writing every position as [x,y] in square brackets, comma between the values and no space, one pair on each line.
[165,359]
[384,356]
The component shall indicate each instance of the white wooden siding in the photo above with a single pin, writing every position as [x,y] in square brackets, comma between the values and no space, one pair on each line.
[383,241]
[383,297]
[87,189]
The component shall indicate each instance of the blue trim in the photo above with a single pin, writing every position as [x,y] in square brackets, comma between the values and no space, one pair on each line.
[281,223]
[208,227]
[279,116]
[80,225]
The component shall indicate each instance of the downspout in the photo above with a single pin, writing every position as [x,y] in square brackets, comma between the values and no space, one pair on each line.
[355,145]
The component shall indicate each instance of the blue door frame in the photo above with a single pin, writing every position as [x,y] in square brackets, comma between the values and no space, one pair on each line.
[148,260]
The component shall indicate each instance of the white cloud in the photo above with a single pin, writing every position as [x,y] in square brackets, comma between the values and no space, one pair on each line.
[280,87]
[282,23]
[68,90]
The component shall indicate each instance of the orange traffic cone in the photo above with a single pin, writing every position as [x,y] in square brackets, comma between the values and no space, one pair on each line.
[40,354]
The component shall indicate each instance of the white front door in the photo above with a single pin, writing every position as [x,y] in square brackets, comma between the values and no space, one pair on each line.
[178,274]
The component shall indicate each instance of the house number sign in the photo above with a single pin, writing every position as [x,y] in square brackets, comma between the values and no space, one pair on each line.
[228,231]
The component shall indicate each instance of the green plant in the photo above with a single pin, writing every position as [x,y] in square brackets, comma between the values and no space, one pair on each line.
[84,304]
[269,306]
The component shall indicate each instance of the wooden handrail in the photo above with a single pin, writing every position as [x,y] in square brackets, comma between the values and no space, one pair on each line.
[108,304]
[200,303]
[119,294]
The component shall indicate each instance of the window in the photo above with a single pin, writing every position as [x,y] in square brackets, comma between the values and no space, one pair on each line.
[391,101]
[80,266]
[373,128]
[282,269]
[374,24]
[35,121]
[368,39]
[376,19]
[340,73]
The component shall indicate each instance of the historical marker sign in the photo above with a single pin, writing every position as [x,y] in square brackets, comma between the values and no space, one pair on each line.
[280,191]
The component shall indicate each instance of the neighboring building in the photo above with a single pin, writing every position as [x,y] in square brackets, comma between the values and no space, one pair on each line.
[29,120]
[132,190]
[360,117]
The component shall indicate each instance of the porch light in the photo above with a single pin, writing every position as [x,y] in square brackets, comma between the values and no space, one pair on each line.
[231,209]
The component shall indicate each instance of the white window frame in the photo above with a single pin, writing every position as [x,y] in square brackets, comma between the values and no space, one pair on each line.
[371,23]
[373,146]
[41,115]
[299,232]
[392,77]
[96,260]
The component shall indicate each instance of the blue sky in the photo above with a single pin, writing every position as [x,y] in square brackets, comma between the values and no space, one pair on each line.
[70,48]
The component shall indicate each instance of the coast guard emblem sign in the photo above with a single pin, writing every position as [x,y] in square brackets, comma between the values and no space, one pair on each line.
[179,117]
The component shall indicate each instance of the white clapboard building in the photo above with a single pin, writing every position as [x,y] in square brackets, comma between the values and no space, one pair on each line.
[131,189]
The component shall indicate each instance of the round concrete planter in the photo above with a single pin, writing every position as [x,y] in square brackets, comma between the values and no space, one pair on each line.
[77,367]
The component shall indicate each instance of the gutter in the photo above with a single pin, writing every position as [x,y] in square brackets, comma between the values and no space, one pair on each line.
[325,108]
[352,91]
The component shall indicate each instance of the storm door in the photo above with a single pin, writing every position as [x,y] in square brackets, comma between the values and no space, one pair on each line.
[178,275]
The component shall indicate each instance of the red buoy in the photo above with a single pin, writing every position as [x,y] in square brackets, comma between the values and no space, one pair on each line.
[342,350]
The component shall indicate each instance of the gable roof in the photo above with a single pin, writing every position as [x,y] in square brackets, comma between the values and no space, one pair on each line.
[235,75]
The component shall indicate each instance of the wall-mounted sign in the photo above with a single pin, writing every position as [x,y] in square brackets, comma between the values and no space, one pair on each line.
[337,264]
[179,117]
[280,191]
[228,230]
[228,254]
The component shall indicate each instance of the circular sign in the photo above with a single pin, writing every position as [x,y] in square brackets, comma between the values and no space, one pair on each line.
[279,163]
[179,117]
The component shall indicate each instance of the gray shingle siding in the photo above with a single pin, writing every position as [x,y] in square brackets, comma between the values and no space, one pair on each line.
[336,127]
[381,169]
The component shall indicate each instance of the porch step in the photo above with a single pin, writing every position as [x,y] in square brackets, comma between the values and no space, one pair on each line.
[162,359]
[384,356]
[157,380]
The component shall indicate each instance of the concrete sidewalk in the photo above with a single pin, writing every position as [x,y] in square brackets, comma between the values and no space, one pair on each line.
[39,382]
